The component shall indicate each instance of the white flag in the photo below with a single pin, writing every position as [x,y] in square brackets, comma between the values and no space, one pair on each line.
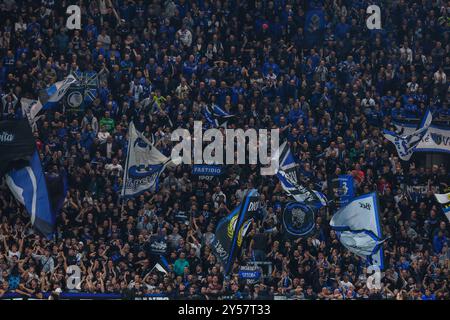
[144,164]
[406,144]
[359,228]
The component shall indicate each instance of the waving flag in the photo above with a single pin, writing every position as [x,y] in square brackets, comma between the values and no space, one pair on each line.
[220,113]
[287,175]
[359,229]
[83,92]
[406,144]
[444,200]
[217,117]
[144,165]
[231,230]
[30,189]
[48,98]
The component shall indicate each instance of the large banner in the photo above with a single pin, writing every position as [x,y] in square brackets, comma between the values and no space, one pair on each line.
[359,228]
[144,165]
[437,138]
[231,230]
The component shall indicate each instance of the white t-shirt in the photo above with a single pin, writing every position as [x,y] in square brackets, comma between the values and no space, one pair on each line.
[12,254]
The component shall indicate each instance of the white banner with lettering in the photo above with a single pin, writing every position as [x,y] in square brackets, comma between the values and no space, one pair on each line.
[437,139]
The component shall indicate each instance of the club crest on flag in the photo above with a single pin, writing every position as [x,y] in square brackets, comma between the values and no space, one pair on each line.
[298,219]
[144,165]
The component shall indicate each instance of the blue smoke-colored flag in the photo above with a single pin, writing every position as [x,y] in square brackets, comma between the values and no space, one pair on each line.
[315,20]
[314,24]
[298,219]
[359,228]
[29,187]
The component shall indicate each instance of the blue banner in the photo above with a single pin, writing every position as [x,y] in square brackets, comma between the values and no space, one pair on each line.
[207,170]
[343,190]
[314,22]
[251,274]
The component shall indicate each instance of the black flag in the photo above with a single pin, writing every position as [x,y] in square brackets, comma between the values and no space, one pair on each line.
[231,230]
[16,143]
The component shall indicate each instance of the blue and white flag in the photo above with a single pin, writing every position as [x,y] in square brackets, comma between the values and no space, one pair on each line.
[359,228]
[437,138]
[231,230]
[48,98]
[406,144]
[83,92]
[343,189]
[287,176]
[29,187]
[162,265]
[220,113]
[143,166]
[217,117]
[444,200]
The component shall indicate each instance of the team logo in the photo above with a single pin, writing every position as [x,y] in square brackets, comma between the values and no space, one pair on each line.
[75,99]
[298,219]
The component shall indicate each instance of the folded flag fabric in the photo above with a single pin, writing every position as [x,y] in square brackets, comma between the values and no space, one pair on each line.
[287,176]
[359,229]
[444,200]
[406,144]
[29,187]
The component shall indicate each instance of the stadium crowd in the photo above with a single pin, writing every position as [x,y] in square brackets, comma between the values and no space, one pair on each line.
[330,93]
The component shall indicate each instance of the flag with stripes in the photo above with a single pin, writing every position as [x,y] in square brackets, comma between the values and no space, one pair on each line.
[28,185]
[405,144]
[287,175]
